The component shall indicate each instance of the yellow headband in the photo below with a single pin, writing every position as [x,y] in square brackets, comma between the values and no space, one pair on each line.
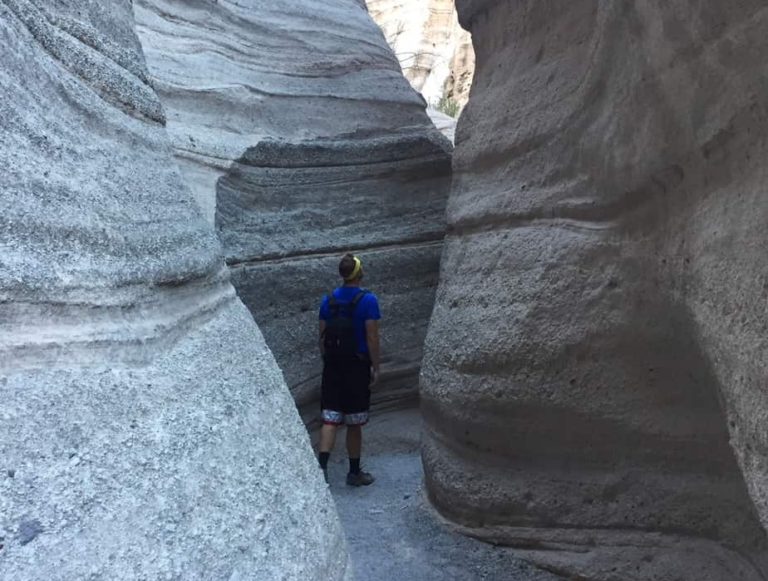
[355,271]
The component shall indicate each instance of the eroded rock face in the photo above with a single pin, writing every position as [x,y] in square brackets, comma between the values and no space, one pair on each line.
[594,381]
[134,384]
[435,53]
[292,209]
[232,74]
[312,144]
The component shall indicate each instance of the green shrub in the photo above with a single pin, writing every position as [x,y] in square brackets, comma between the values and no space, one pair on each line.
[448,106]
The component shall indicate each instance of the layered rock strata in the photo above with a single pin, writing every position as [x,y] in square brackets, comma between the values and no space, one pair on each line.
[594,377]
[435,53]
[311,144]
[232,74]
[292,209]
[134,384]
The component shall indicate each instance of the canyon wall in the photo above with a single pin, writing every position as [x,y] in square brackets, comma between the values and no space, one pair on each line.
[434,51]
[302,139]
[594,382]
[134,384]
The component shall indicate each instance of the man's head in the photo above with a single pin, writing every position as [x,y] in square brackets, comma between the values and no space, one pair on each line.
[351,269]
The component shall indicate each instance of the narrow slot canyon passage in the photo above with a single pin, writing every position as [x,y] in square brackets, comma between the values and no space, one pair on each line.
[561,206]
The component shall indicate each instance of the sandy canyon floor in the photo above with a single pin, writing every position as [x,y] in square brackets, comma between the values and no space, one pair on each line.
[392,532]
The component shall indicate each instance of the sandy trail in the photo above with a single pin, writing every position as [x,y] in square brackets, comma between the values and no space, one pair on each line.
[392,533]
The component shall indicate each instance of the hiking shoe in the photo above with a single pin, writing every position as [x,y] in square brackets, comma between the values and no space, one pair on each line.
[325,474]
[360,479]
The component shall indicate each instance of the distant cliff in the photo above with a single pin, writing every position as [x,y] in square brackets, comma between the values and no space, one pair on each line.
[435,53]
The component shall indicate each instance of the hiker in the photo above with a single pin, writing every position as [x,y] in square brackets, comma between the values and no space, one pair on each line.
[349,344]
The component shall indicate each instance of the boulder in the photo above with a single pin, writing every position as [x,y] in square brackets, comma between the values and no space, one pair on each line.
[594,378]
[302,139]
[145,426]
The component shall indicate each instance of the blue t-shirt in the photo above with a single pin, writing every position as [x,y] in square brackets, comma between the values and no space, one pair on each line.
[367,310]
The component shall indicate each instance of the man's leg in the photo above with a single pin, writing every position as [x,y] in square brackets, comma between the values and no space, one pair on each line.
[331,422]
[327,438]
[354,447]
[358,402]
[356,476]
[332,418]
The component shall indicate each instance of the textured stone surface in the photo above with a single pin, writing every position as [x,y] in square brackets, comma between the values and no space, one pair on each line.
[232,74]
[296,129]
[288,211]
[144,425]
[594,384]
[435,53]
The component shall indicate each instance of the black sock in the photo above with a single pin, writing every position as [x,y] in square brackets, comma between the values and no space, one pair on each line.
[354,465]
[323,456]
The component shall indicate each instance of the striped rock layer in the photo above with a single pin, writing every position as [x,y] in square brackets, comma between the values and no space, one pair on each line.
[302,140]
[594,384]
[134,384]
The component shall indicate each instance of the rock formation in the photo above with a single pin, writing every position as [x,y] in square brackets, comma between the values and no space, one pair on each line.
[594,382]
[435,53]
[296,127]
[134,384]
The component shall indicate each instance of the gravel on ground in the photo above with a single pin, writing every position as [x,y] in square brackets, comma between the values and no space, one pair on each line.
[392,532]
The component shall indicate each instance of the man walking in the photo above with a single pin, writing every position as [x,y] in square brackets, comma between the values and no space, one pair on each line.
[349,343]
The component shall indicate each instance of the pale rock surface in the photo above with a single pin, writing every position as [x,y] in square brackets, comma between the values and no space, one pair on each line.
[144,425]
[300,136]
[234,73]
[435,53]
[594,383]
[445,123]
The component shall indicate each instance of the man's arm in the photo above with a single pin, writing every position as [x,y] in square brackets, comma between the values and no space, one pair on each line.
[321,343]
[372,338]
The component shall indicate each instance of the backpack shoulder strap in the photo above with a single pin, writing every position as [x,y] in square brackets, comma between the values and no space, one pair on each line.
[359,296]
[355,301]
[333,305]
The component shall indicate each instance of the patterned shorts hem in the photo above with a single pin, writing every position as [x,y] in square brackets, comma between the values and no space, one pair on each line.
[334,418]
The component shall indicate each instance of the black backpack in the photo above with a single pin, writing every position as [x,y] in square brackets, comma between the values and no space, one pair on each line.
[339,339]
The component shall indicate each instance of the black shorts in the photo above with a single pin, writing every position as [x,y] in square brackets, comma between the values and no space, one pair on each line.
[345,394]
